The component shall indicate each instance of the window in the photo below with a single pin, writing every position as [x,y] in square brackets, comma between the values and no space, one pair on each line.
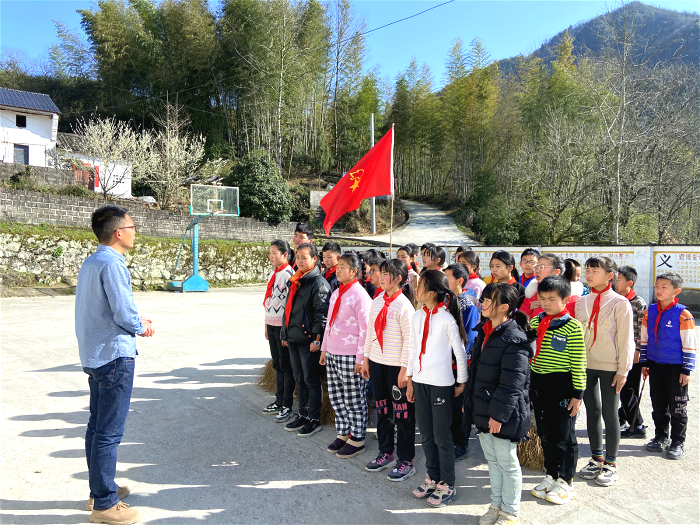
[21,121]
[21,154]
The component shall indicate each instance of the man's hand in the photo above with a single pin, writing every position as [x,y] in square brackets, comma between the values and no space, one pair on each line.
[148,325]
[459,389]
[619,382]
[403,381]
[573,407]
[365,368]
[494,426]
[322,359]
[684,380]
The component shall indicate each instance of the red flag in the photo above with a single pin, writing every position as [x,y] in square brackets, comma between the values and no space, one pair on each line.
[371,177]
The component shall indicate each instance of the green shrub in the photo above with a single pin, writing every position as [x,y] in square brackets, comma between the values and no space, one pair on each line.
[301,204]
[497,222]
[263,193]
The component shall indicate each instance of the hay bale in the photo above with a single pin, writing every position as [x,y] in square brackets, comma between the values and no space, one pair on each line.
[268,378]
[530,452]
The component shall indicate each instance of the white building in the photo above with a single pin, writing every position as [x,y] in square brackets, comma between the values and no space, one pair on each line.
[28,127]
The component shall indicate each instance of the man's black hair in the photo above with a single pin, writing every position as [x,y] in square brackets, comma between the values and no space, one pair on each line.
[676,280]
[555,283]
[629,273]
[331,246]
[106,220]
[459,271]
[530,251]
[302,227]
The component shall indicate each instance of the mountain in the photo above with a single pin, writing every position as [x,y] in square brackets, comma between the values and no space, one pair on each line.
[659,33]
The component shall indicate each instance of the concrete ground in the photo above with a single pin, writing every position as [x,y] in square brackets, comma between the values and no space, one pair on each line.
[198,450]
[425,224]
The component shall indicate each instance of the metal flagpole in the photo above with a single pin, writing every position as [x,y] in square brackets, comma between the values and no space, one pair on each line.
[371,202]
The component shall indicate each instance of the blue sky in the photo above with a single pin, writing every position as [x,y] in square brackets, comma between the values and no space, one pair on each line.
[507,28]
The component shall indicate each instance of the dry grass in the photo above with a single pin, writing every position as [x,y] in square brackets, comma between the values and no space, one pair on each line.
[530,452]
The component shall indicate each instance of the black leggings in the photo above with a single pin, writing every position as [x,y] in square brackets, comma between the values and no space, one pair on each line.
[602,401]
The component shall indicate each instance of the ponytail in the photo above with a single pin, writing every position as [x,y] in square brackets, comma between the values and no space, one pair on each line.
[436,281]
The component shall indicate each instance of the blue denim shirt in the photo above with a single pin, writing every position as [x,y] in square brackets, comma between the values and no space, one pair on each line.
[106,320]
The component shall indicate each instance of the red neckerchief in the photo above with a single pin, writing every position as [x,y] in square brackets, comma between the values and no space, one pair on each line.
[380,321]
[542,330]
[488,330]
[294,279]
[343,288]
[596,311]
[439,268]
[378,292]
[271,282]
[473,276]
[426,329]
[631,295]
[367,279]
[512,280]
[658,317]
[523,278]
[329,271]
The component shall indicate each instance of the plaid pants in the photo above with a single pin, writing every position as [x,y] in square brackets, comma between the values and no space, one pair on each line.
[348,395]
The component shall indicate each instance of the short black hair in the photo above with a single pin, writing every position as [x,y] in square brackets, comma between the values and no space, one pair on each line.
[530,251]
[628,273]
[331,246]
[372,256]
[435,252]
[676,280]
[427,245]
[459,271]
[106,220]
[302,227]
[555,283]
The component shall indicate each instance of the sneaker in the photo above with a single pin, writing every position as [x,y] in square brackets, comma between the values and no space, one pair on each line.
[426,489]
[312,426]
[634,432]
[382,461]
[295,425]
[443,495]
[337,444]
[591,470]
[541,490]
[272,408]
[460,452]
[402,471]
[491,516]
[607,477]
[675,451]
[561,493]
[122,492]
[120,514]
[283,415]
[507,519]
[658,444]
[351,449]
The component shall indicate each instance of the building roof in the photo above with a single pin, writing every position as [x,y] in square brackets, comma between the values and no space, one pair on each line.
[27,100]
[69,142]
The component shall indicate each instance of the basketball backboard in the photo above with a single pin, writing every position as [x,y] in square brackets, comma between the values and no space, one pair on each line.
[221,201]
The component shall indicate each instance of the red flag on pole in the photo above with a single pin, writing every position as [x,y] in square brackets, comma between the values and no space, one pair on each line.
[371,177]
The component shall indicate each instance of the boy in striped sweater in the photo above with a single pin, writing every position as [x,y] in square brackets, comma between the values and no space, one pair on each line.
[669,346]
[558,379]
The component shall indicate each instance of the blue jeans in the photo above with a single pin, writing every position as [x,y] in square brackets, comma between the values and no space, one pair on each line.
[504,472]
[110,395]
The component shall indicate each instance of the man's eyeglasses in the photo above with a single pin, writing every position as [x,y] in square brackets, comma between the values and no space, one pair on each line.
[127,227]
[528,263]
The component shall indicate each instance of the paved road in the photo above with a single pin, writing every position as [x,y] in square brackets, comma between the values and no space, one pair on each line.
[425,224]
[197,449]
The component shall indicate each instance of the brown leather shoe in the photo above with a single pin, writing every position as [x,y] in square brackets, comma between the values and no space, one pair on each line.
[122,492]
[120,514]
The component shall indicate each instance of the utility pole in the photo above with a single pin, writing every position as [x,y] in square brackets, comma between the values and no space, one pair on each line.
[371,134]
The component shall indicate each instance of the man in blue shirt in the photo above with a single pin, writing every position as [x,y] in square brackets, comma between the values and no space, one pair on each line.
[106,325]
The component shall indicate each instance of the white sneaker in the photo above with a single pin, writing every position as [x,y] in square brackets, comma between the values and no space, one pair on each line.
[491,516]
[541,490]
[591,470]
[607,477]
[507,519]
[561,492]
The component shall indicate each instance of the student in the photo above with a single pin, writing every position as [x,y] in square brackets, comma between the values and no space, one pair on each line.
[433,257]
[629,396]
[474,285]
[415,252]
[302,331]
[274,302]
[437,335]
[668,350]
[405,254]
[497,397]
[372,258]
[503,271]
[303,234]
[457,275]
[342,351]
[609,338]
[547,264]
[558,377]
[528,261]
[331,253]
[385,362]
[573,273]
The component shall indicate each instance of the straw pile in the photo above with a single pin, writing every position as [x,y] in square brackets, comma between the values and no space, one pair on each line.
[530,452]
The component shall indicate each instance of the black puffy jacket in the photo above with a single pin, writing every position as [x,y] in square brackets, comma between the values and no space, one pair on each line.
[309,309]
[499,378]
